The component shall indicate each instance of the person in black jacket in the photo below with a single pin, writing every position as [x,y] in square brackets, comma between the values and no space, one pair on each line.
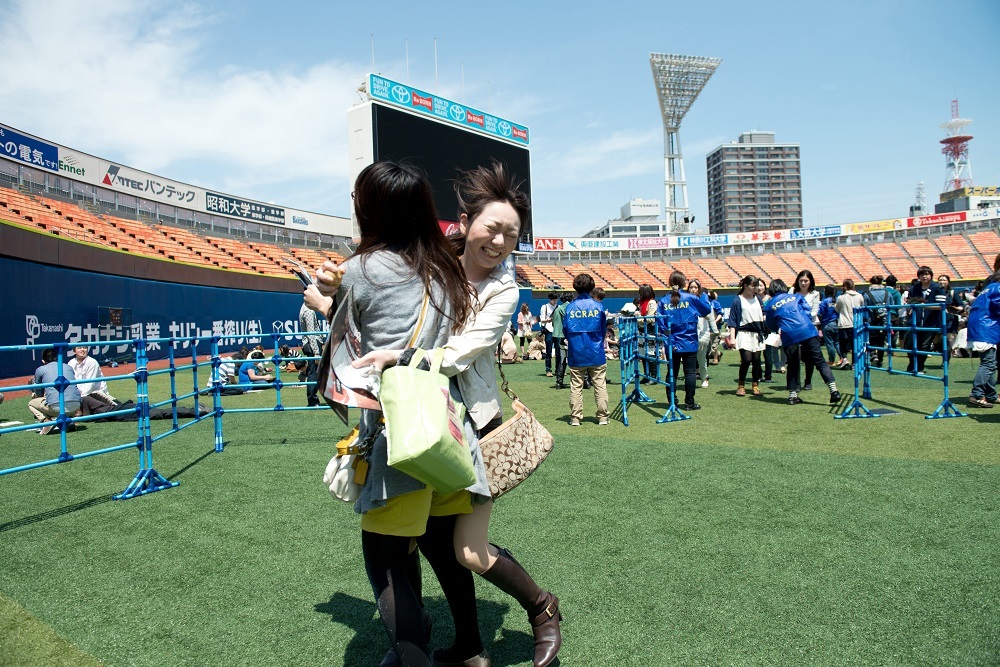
[924,291]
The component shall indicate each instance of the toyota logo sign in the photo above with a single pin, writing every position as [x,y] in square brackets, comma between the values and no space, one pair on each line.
[457,112]
[401,94]
[504,128]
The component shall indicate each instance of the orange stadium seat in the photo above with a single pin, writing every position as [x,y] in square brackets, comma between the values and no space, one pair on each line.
[775,267]
[863,261]
[743,266]
[884,251]
[640,276]
[902,267]
[722,275]
[987,243]
[835,265]
[802,262]
[693,271]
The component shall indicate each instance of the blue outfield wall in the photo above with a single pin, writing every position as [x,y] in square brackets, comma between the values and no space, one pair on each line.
[46,304]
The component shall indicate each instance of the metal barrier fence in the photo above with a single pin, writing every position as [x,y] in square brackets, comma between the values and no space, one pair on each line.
[636,345]
[148,480]
[920,339]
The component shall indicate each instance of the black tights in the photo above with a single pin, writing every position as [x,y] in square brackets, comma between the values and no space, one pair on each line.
[748,358]
[397,593]
[394,574]
[437,546]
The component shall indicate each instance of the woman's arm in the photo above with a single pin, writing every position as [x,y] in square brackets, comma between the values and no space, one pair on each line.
[482,332]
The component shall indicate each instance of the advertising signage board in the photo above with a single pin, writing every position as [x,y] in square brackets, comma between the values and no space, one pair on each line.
[241,208]
[29,150]
[400,95]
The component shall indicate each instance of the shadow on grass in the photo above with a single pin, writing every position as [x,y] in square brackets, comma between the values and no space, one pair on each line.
[370,643]
[53,513]
[192,464]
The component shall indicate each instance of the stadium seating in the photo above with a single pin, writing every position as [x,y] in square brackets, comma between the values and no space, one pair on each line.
[835,265]
[863,261]
[964,256]
[801,262]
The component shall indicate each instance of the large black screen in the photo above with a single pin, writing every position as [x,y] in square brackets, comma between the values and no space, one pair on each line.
[443,151]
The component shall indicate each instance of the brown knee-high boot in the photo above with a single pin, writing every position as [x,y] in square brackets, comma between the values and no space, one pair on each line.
[542,606]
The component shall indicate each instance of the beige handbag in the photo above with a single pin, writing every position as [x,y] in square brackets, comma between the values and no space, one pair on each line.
[516,448]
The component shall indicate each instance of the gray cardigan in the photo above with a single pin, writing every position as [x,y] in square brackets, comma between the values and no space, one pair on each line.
[387,299]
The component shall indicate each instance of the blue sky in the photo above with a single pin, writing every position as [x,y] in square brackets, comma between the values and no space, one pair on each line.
[251,97]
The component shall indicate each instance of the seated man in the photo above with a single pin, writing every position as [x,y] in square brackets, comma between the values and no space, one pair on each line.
[249,371]
[45,405]
[86,367]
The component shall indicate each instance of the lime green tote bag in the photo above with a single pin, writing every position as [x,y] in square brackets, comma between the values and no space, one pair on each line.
[424,426]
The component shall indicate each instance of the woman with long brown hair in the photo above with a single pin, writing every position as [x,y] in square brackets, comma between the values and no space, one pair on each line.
[492,211]
[403,255]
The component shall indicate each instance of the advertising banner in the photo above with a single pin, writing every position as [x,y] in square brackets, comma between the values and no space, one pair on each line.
[767,236]
[241,208]
[702,240]
[140,184]
[983,214]
[85,168]
[875,226]
[979,191]
[412,99]
[596,244]
[815,232]
[32,152]
[545,243]
[930,220]
[239,317]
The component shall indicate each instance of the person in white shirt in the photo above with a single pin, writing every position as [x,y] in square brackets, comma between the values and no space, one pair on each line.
[86,368]
[845,305]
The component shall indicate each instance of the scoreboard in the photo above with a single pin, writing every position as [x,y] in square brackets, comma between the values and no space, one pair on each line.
[404,127]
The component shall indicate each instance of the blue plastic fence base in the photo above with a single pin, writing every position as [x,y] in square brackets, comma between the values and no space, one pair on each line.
[856,410]
[945,410]
[673,414]
[146,481]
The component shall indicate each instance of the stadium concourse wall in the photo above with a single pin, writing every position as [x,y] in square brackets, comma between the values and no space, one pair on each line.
[56,289]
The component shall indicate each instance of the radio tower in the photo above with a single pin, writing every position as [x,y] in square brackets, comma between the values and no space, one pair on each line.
[679,80]
[956,151]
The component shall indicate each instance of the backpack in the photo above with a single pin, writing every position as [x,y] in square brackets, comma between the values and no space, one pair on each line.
[877,314]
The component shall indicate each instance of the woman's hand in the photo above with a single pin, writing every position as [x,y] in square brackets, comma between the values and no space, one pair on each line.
[316,301]
[380,359]
[328,278]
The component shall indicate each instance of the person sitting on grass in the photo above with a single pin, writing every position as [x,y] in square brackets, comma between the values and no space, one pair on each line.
[536,348]
[250,372]
[45,405]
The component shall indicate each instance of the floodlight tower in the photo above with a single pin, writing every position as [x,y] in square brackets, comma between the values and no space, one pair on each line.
[679,80]
[956,151]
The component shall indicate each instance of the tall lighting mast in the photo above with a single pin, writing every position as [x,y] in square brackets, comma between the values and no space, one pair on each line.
[679,80]
[956,151]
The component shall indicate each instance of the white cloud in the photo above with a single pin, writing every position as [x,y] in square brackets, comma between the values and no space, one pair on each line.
[126,80]
[588,160]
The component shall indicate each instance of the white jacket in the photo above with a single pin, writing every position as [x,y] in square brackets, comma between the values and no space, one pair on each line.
[845,305]
[471,354]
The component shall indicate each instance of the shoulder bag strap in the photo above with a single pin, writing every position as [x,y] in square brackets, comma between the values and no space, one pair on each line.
[420,320]
[504,387]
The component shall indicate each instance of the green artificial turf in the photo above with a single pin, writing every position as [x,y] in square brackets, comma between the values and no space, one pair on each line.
[756,533]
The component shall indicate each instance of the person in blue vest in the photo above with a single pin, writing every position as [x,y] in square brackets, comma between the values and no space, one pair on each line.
[984,335]
[682,310]
[828,323]
[585,324]
[792,316]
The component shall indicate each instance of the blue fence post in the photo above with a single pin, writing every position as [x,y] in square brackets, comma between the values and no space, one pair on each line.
[217,394]
[641,353]
[947,408]
[856,409]
[173,381]
[673,413]
[278,384]
[194,379]
[147,480]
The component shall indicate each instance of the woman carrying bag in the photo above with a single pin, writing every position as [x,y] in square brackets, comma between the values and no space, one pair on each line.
[492,212]
[403,257]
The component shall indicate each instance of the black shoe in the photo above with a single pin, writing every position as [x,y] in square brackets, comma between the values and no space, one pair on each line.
[808,387]
[644,381]
[834,397]
[794,400]
[560,385]
[768,380]
[691,406]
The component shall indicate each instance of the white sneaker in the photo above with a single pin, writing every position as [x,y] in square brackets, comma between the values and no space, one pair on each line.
[602,422]
[704,384]
[574,422]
